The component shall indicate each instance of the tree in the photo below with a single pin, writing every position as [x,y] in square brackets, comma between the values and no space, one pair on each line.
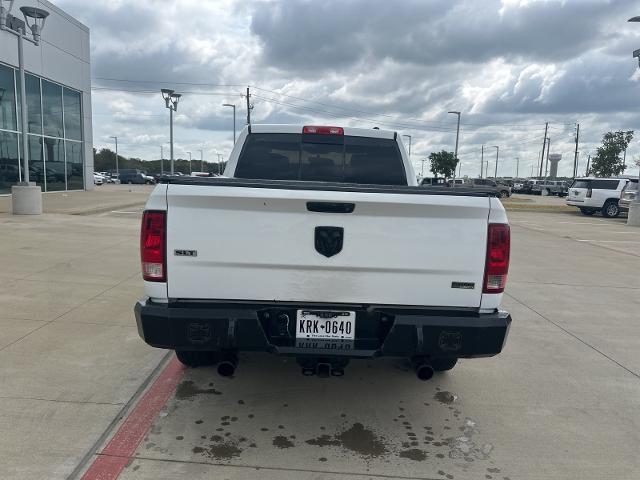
[443,163]
[608,161]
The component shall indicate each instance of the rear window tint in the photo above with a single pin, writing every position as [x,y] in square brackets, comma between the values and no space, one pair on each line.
[323,158]
[605,184]
[580,184]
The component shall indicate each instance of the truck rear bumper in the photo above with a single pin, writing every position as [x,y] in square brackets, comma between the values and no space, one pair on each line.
[380,331]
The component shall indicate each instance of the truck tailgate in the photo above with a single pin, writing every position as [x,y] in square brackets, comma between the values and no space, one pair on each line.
[243,243]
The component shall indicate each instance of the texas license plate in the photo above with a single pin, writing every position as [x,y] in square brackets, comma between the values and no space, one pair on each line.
[326,324]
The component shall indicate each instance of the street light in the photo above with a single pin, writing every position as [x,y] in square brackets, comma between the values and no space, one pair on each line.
[405,135]
[27,196]
[633,217]
[234,120]
[495,175]
[117,169]
[190,170]
[457,135]
[171,102]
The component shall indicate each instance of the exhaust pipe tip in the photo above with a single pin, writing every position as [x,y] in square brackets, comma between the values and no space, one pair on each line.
[227,367]
[424,371]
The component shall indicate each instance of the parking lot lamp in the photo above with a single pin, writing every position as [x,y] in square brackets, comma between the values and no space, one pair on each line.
[171,102]
[457,135]
[633,217]
[117,169]
[26,195]
[495,175]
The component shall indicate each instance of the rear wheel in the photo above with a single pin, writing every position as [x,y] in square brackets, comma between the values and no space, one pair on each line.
[610,209]
[443,364]
[587,211]
[197,358]
[504,194]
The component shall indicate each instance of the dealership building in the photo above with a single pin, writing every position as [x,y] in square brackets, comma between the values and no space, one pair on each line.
[58,93]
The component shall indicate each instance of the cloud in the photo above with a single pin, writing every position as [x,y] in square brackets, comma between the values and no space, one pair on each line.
[509,66]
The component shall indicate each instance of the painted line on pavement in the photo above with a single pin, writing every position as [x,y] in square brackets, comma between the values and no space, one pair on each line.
[607,241]
[116,455]
[123,211]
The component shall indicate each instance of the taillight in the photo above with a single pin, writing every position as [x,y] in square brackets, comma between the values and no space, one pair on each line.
[153,245]
[323,130]
[589,191]
[497,263]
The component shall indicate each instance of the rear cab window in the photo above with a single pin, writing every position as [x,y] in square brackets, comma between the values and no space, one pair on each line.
[321,158]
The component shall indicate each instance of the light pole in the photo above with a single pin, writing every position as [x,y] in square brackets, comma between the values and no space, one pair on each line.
[171,102]
[161,160]
[219,163]
[405,135]
[481,160]
[633,217]
[517,166]
[495,175]
[234,120]
[26,195]
[190,170]
[117,169]
[457,135]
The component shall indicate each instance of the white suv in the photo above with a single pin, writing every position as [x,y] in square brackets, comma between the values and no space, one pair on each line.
[597,194]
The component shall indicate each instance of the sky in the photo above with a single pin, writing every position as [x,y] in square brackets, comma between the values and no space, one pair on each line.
[508,66]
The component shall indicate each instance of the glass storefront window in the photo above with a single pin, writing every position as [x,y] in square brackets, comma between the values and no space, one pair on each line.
[52,109]
[56,159]
[34,108]
[54,163]
[36,162]
[9,169]
[8,118]
[72,115]
[75,174]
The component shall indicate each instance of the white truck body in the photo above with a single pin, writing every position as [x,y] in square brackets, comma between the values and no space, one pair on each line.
[248,241]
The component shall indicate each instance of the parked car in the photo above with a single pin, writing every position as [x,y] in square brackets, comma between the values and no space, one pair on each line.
[318,244]
[500,189]
[549,187]
[628,194]
[135,176]
[593,195]
[98,179]
[113,178]
[435,181]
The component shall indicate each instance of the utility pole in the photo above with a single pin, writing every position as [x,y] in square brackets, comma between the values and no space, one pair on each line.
[546,165]
[575,155]
[460,170]
[161,160]
[517,166]
[481,161]
[495,175]
[117,169]
[544,144]
[249,107]
[586,173]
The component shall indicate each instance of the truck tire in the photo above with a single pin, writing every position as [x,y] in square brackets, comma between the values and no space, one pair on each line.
[504,193]
[587,211]
[443,364]
[610,209]
[197,358]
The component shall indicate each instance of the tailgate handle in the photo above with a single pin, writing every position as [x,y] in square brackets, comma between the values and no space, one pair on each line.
[331,207]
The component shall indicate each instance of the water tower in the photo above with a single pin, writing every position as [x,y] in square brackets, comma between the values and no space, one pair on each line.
[554,158]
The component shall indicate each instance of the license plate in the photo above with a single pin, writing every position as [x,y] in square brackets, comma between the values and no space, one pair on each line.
[326,324]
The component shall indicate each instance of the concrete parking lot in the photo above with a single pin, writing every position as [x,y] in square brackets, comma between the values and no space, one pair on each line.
[82,393]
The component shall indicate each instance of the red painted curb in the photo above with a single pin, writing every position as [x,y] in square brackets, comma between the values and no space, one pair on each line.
[115,456]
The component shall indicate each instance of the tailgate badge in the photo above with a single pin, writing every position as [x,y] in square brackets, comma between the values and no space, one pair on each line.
[463,285]
[328,240]
[185,253]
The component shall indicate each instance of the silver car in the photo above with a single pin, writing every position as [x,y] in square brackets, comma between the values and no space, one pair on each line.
[628,195]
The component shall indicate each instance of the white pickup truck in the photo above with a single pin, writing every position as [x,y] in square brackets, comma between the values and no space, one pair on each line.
[318,243]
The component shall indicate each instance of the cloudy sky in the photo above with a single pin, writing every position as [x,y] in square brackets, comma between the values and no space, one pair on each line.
[509,66]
